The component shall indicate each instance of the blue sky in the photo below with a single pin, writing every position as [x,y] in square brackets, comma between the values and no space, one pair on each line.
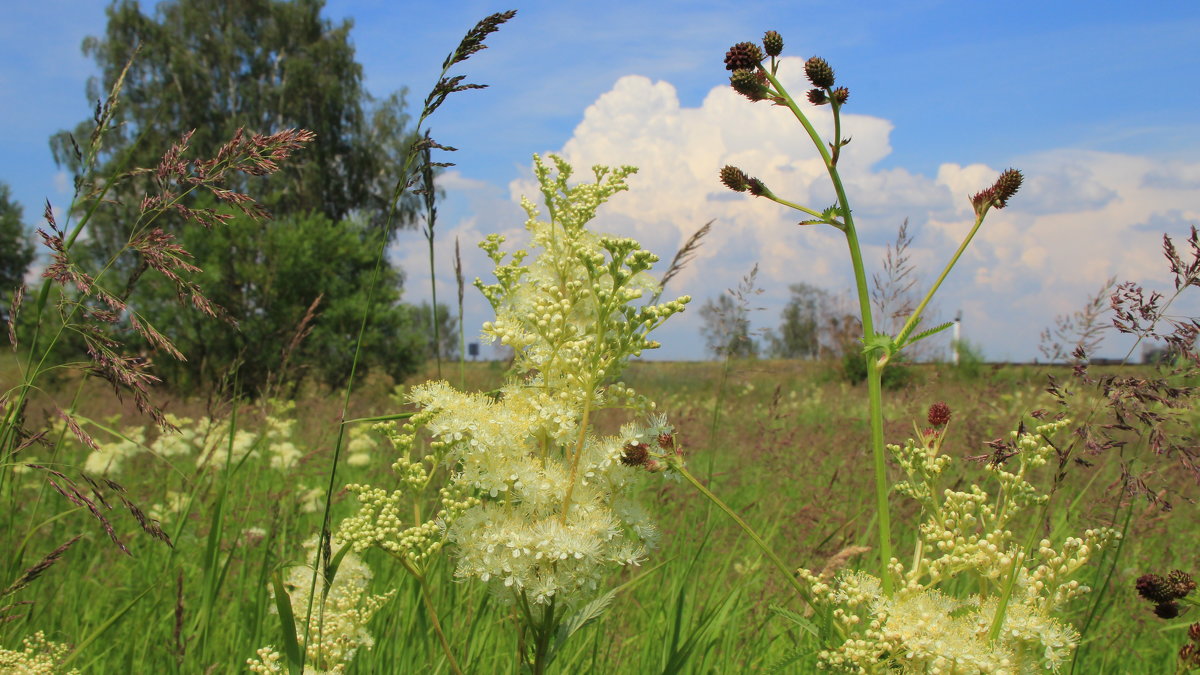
[1096,102]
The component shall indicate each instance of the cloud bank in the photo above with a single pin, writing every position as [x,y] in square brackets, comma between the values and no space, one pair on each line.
[1080,218]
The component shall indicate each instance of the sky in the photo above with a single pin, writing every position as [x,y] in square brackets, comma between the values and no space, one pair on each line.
[1097,103]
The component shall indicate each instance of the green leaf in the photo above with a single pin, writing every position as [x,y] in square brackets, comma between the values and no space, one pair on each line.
[680,653]
[879,344]
[287,624]
[784,665]
[796,619]
[586,614]
[927,333]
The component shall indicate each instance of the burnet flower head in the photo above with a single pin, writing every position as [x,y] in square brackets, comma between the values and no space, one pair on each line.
[554,507]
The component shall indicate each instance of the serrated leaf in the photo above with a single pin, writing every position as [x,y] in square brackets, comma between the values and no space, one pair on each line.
[880,343]
[586,614]
[927,333]
[784,664]
[796,619]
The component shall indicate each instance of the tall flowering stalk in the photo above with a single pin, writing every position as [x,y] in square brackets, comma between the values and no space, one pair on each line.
[754,75]
[550,508]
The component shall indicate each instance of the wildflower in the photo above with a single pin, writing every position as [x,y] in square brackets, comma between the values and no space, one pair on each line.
[841,95]
[1154,588]
[1175,586]
[999,193]
[743,56]
[1166,610]
[635,454]
[939,414]
[749,83]
[921,626]
[817,97]
[337,628]
[734,178]
[819,72]
[1181,583]
[772,43]
[540,505]
[37,656]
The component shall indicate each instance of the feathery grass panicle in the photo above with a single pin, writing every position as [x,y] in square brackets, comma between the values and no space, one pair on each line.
[684,255]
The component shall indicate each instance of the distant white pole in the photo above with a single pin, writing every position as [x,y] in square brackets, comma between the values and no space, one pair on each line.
[957,336]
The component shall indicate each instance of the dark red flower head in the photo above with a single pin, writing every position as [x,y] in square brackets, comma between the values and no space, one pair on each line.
[939,414]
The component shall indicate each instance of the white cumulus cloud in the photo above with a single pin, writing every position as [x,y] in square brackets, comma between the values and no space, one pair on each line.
[1081,216]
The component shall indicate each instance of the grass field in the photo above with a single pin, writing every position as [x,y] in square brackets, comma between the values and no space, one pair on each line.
[784,443]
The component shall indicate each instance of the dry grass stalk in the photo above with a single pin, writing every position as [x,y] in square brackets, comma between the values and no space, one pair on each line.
[44,564]
[686,253]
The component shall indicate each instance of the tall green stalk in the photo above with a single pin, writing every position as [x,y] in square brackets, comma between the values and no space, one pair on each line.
[756,79]
[420,148]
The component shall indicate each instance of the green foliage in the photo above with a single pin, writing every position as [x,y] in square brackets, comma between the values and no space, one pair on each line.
[16,249]
[262,65]
[447,321]
[895,376]
[971,363]
[726,328]
[228,614]
[800,325]
[268,278]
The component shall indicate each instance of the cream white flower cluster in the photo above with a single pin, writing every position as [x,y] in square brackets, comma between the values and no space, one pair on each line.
[337,627]
[208,441]
[385,518]
[1002,619]
[538,503]
[37,656]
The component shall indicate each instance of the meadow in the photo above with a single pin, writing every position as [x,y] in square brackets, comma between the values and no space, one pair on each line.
[577,508]
[784,442]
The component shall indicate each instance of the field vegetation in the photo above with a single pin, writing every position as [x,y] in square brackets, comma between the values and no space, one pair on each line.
[293,500]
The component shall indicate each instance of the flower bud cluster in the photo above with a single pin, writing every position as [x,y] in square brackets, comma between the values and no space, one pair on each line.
[37,656]
[965,542]
[337,627]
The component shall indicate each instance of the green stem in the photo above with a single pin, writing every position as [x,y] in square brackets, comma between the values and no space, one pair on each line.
[916,315]
[583,424]
[437,338]
[542,639]
[882,487]
[1017,564]
[779,200]
[433,618]
[874,365]
[788,572]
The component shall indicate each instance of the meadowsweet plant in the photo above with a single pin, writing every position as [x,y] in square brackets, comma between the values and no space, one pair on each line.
[343,609]
[37,656]
[754,75]
[541,503]
[973,597]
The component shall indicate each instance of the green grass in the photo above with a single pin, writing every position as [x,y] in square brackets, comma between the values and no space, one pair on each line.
[792,458]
